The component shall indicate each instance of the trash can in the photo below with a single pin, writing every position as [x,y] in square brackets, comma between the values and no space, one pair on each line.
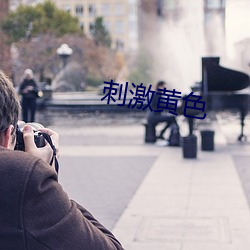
[189,146]
[207,140]
[150,133]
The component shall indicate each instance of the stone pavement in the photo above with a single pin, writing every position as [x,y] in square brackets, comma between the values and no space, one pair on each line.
[184,204]
[189,204]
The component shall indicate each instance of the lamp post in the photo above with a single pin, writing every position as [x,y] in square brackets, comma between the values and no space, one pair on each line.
[64,51]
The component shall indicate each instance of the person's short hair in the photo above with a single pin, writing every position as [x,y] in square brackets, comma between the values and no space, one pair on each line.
[9,104]
[160,84]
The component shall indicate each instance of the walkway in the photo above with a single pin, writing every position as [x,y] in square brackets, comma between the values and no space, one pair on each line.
[189,204]
[153,198]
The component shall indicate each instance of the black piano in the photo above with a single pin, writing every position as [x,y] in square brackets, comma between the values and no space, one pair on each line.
[223,89]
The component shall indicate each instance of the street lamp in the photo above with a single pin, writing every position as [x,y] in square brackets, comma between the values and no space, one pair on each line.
[64,51]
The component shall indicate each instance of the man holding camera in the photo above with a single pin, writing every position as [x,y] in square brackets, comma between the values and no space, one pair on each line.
[35,212]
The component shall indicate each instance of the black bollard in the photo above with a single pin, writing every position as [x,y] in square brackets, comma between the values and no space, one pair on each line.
[207,140]
[189,146]
[150,133]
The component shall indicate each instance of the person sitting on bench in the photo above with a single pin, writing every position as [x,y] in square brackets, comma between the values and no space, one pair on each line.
[158,117]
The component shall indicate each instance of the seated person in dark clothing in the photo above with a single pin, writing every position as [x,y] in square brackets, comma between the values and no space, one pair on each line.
[159,117]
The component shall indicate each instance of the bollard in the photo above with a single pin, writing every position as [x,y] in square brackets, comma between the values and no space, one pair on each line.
[189,146]
[207,140]
[150,133]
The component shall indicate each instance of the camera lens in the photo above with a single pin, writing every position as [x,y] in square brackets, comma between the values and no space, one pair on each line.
[38,137]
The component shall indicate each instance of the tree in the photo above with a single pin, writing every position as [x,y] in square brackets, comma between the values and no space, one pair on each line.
[95,64]
[42,18]
[100,33]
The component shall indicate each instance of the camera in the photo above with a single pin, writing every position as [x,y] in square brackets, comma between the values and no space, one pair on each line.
[38,137]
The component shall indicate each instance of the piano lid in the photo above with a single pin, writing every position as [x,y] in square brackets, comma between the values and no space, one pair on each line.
[218,78]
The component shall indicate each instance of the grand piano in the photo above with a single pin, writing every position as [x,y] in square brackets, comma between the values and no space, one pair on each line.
[223,89]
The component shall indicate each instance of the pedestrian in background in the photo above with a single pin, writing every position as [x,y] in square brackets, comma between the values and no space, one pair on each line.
[29,92]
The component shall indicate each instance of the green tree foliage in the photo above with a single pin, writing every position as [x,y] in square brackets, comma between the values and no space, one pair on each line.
[42,18]
[100,33]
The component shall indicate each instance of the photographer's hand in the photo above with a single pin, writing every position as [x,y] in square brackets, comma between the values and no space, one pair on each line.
[45,153]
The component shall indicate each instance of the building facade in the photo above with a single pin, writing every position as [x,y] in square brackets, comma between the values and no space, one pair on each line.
[120,18]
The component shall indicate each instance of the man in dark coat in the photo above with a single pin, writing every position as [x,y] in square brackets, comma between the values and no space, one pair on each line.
[35,212]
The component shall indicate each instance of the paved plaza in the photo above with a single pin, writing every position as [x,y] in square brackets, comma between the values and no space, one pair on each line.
[149,195]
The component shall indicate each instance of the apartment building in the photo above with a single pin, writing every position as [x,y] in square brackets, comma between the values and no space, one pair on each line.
[120,18]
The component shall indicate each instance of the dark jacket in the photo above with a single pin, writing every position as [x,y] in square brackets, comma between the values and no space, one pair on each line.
[31,94]
[36,214]
[154,106]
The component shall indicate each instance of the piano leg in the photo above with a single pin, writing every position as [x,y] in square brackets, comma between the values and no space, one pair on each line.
[241,137]
[243,114]
[191,125]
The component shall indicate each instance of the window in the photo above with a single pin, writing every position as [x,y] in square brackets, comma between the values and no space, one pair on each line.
[119,26]
[92,10]
[79,10]
[132,10]
[119,44]
[119,9]
[67,8]
[105,9]
[82,26]
[215,4]
[132,26]
[107,25]
[91,27]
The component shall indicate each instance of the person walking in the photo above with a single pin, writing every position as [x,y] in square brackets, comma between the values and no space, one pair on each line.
[29,92]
